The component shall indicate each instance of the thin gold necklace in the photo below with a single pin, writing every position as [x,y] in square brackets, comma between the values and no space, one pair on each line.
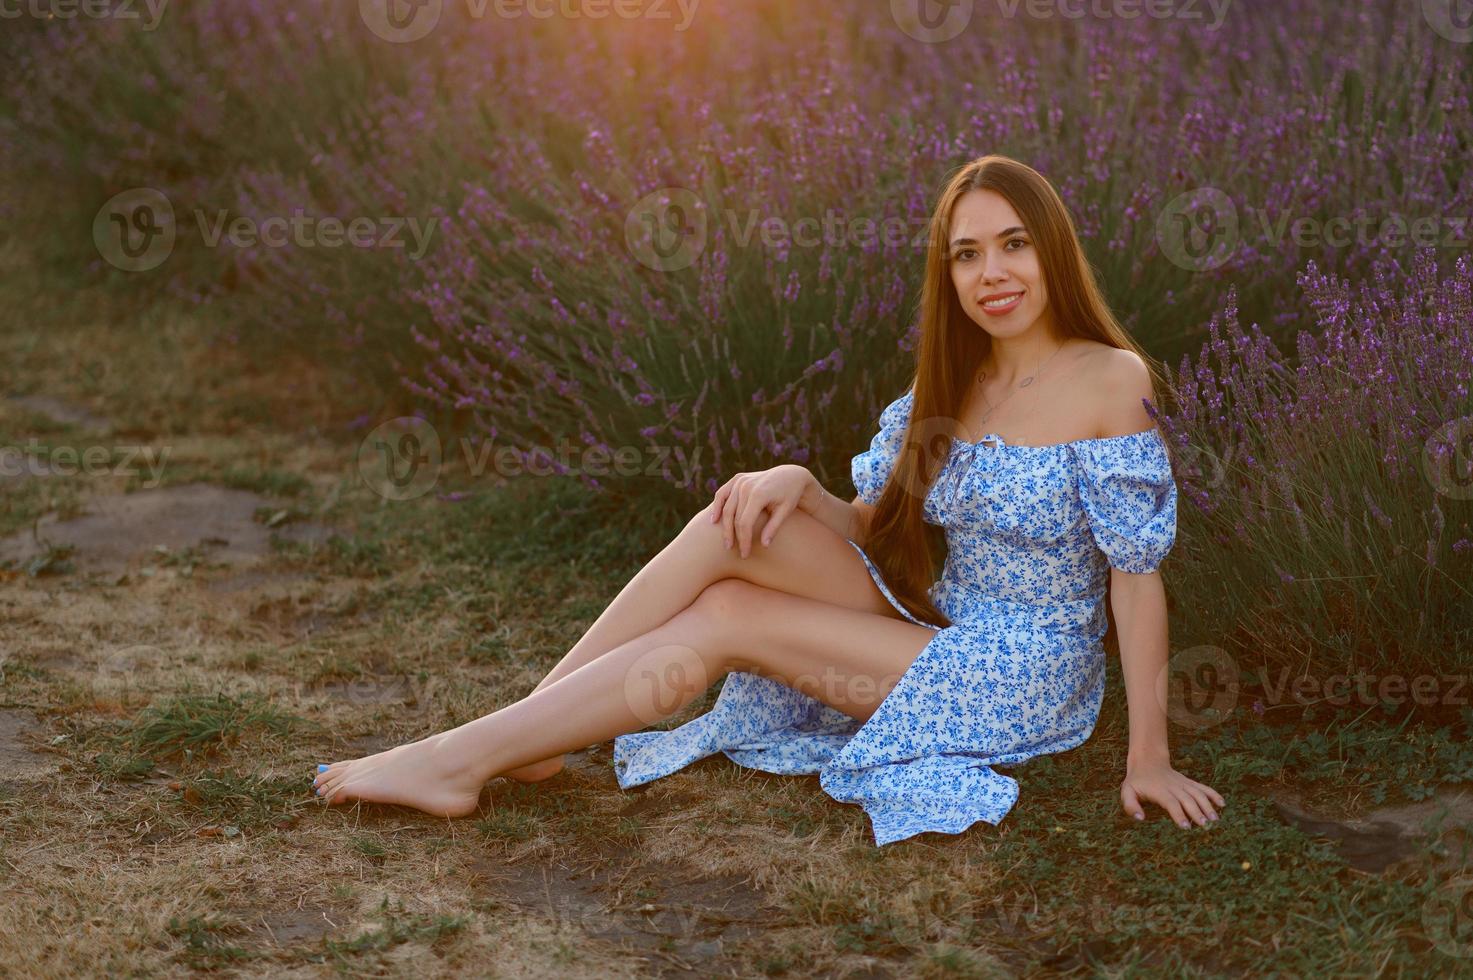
[1022,384]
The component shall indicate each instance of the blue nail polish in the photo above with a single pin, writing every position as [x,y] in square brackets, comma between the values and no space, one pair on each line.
[321,767]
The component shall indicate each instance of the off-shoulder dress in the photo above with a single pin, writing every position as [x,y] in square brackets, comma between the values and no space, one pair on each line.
[1031,534]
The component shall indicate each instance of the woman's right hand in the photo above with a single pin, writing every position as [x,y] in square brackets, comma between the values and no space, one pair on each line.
[742,499]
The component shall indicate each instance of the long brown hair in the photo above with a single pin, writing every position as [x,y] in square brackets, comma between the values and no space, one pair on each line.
[951,350]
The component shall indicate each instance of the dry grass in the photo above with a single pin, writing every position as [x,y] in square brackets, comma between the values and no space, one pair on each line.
[158,732]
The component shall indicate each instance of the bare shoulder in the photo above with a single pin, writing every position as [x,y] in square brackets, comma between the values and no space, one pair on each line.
[1119,381]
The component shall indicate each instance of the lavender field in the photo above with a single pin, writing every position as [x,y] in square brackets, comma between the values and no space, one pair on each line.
[243,239]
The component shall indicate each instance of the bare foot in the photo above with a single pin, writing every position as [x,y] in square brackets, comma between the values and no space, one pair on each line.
[537,771]
[427,775]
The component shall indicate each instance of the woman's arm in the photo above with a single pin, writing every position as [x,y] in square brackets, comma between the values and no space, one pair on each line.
[846,519]
[1139,604]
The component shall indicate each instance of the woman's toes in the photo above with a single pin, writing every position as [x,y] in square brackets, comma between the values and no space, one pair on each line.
[327,782]
[333,792]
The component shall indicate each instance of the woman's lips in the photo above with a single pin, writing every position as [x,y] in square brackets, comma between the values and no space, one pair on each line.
[1002,310]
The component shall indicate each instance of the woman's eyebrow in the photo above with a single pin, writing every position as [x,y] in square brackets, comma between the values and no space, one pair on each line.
[1002,234]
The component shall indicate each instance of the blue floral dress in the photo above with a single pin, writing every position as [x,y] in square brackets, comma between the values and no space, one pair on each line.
[1031,533]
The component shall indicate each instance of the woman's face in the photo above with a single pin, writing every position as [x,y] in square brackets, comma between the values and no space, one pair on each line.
[993,257]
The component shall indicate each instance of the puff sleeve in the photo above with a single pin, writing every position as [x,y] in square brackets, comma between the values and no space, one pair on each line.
[871,468]
[1129,497]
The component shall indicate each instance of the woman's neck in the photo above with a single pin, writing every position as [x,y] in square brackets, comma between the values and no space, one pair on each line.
[1015,358]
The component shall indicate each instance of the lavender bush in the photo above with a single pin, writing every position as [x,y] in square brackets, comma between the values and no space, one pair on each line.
[1333,495]
[531,147]
[531,140]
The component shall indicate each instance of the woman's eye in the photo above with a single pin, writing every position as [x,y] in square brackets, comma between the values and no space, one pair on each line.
[962,255]
[1018,241]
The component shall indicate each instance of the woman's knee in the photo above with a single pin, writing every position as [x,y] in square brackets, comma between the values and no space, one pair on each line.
[729,602]
[703,527]
[799,533]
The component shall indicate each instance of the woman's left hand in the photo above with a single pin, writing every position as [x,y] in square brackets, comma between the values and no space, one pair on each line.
[1176,794]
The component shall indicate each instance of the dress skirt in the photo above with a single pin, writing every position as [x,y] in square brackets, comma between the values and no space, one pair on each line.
[1006,682]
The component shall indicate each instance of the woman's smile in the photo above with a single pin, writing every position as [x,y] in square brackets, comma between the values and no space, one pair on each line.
[1001,304]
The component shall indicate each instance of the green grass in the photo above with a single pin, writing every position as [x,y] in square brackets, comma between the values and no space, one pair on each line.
[265,480]
[398,927]
[371,848]
[245,802]
[1382,757]
[194,722]
[122,766]
[204,944]
[53,560]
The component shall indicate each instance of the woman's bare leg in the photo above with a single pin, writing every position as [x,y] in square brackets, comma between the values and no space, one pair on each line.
[805,558]
[848,659]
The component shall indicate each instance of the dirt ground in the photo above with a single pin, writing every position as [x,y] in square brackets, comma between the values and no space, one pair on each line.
[179,647]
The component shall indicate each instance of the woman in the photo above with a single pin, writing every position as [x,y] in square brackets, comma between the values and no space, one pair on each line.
[842,651]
